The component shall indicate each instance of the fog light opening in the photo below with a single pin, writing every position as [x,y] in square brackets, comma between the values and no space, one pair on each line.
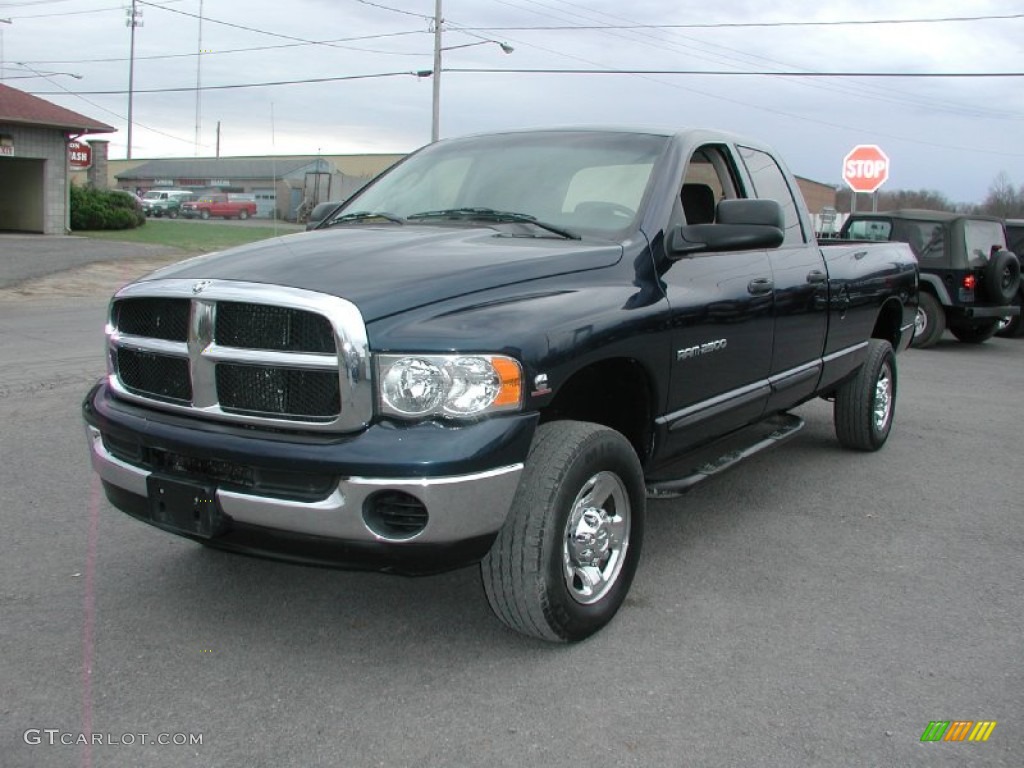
[394,515]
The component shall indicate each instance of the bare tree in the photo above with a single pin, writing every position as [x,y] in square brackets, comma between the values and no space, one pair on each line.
[1004,200]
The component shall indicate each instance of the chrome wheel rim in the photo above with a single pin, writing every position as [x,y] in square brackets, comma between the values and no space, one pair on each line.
[596,538]
[920,322]
[882,410]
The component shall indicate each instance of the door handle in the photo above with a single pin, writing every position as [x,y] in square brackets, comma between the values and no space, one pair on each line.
[816,276]
[760,286]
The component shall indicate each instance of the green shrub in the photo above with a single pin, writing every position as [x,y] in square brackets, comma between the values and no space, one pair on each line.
[93,209]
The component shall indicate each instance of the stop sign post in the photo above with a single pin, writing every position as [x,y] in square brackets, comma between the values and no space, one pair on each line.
[865,168]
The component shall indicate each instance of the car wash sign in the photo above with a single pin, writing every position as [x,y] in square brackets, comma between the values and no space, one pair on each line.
[865,168]
[79,154]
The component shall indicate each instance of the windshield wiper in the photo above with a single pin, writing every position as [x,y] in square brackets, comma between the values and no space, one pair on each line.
[489,214]
[347,218]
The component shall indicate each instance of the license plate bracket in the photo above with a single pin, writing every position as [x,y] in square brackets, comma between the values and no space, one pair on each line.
[184,507]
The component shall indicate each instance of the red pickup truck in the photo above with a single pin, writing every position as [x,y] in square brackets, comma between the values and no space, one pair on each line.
[218,205]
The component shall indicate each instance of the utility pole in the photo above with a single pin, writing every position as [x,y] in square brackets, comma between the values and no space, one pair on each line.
[134,20]
[199,80]
[435,125]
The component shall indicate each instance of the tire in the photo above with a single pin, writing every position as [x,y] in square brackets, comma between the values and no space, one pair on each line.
[243,215]
[1011,327]
[930,321]
[1002,276]
[582,489]
[172,214]
[204,214]
[975,333]
[866,404]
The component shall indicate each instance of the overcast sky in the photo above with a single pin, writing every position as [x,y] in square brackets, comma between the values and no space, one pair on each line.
[953,135]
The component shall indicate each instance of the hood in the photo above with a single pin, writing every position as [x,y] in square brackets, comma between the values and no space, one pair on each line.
[388,269]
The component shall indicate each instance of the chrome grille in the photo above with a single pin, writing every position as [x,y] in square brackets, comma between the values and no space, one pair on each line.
[241,352]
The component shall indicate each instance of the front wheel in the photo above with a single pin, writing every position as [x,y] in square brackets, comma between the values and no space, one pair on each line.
[204,214]
[865,405]
[564,560]
[243,215]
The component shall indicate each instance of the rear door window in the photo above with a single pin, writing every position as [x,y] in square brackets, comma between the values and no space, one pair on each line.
[982,238]
[869,229]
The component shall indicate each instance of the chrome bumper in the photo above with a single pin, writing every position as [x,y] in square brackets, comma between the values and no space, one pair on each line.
[459,508]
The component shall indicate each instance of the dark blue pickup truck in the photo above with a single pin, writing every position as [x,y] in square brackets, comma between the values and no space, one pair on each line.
[496,353]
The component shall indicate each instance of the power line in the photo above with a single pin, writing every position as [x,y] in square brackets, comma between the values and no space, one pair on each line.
[254,29]
[229,50]
[667,40]
[726,73]
[395,10]
[240,86]
[755,24]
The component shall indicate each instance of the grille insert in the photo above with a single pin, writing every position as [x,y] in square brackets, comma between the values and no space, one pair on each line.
[261,326]
[155,318]
[297,394]
[161,377]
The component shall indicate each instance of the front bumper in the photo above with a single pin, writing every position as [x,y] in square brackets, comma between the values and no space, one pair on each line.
[463,478]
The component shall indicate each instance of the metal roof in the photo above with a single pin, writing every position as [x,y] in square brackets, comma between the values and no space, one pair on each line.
[233,168]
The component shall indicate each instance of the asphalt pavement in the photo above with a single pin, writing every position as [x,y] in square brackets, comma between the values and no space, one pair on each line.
[24,257]
[811,607]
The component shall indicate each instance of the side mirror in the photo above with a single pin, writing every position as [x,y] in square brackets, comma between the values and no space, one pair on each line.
[741,225]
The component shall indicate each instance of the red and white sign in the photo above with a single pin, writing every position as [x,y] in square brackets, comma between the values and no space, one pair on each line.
[865,168]
[79,154]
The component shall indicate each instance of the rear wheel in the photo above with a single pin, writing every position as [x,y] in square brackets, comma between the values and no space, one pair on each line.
[172,214]
[204,214]
[865,405]
[930,321]
[975,333]
[1009,327]
[564,560]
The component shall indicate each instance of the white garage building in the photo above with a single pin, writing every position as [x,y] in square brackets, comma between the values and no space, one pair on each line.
[34,161]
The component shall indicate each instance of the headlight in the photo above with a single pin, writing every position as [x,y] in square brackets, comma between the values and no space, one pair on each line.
[458,386]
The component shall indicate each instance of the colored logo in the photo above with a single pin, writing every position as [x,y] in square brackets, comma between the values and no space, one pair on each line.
[958,730]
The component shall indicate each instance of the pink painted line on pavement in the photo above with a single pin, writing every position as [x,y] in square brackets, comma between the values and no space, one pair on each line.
[89,618]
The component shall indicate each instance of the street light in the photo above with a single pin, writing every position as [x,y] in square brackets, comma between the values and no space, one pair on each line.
[435,125]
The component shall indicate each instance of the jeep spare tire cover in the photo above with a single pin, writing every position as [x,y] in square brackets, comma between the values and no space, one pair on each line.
[1002,276]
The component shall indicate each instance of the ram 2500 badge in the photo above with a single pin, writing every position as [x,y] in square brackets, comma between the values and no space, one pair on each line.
[494,354]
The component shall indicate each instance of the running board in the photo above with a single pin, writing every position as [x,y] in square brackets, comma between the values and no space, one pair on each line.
[769,433]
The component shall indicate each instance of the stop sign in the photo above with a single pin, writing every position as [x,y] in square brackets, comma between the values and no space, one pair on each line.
[79,154]
[865,168]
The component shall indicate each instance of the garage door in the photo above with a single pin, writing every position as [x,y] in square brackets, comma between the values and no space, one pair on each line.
[21,194]
[265,202]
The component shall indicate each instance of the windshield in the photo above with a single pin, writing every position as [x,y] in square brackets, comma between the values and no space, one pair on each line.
[580,181]
[154,195]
